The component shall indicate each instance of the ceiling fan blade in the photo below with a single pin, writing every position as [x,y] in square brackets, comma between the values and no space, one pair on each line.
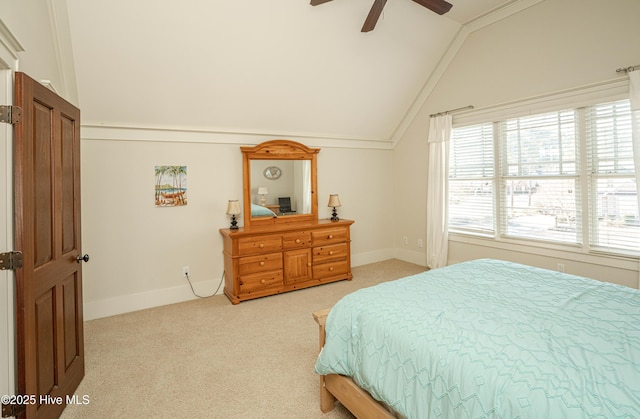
[317,2]
[373,16]
[439,6]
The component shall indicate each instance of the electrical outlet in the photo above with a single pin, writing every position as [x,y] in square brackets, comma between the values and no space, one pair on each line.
[560,267]
[185,270]
[405,240]
[419,242]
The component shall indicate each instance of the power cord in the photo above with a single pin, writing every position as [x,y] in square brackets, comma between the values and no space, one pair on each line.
[204,296]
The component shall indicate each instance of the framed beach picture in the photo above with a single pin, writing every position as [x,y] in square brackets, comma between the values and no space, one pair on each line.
[171,186]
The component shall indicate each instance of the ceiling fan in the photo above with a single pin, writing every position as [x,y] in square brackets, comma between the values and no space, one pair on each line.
[439,6]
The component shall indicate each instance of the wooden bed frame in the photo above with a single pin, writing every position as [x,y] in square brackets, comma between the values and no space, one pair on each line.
[344,389]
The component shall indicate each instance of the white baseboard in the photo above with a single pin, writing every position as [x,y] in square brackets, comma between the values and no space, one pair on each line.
[371,257]
[419,258]
[140,301]
[155,298]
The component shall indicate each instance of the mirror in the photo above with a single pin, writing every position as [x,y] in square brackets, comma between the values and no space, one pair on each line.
[279,183]
[283,186]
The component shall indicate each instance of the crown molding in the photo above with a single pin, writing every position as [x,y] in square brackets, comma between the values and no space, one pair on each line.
[180,135]
[9,41]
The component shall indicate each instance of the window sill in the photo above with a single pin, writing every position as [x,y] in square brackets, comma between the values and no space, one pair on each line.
[557,251]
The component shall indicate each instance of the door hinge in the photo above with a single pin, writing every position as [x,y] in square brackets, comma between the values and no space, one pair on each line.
[10,261]
[10,410]
[10,114]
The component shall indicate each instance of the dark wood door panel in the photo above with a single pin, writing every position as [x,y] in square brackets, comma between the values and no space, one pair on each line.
[49,319]
[72,318]
[70,185]
[45,341]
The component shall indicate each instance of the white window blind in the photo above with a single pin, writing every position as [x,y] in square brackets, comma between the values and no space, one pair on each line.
[539,183]
[565,177]
[614,223]
[471,180]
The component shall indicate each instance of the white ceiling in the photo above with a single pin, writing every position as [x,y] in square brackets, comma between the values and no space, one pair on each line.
[279,67]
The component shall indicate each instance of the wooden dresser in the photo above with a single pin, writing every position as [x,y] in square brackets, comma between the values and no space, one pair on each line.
[268,260]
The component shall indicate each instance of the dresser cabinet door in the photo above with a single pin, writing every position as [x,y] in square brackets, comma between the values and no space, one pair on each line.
[297,266]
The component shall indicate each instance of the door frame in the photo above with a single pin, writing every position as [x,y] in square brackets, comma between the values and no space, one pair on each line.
[9,49]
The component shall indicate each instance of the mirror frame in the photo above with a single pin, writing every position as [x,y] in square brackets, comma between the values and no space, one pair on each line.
[278,150]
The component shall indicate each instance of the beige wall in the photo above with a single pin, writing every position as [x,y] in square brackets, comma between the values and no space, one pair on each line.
[552,46]
[138,250]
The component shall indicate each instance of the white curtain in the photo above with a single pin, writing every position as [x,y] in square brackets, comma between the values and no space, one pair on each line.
[634,97]
[437,191]
[306,187]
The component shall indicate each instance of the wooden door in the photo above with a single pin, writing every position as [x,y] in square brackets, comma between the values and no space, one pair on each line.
[50,347]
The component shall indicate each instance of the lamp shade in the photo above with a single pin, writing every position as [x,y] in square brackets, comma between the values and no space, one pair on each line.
[262,190]
[334,201]
[233,207]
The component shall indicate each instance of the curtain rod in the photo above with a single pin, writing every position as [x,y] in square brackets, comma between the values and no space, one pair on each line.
[627,69]
[464,108]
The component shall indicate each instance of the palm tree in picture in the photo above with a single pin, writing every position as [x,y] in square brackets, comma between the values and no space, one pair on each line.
[177,193]
[160,172]
[180,173]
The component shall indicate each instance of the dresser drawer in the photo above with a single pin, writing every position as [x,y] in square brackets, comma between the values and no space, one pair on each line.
[259,263]
[260,244]
[330,252]
[261,281]
[329,236]
[296,239]
[329,269]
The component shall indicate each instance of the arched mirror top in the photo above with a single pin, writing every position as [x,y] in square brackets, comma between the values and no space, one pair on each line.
[280,183]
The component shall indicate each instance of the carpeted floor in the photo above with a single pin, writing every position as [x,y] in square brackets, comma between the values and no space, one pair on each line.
[210,359]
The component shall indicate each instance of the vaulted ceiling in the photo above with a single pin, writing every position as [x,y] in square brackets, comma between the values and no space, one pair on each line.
[278,67]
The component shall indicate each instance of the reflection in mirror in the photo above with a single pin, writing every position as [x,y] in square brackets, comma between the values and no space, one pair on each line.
[287,193]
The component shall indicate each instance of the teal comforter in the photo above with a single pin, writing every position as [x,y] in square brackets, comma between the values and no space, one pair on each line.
[491,339]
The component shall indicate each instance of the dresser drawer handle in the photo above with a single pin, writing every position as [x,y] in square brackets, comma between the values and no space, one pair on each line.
[297,240]
[262,263]
[331,268]
[262,281]
[261,245]
[330,236]
[330,252]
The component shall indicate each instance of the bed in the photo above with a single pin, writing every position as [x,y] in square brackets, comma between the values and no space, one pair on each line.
[260,211]
[483,339]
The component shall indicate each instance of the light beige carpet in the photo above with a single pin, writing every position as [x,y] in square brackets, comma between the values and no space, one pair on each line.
[210,359]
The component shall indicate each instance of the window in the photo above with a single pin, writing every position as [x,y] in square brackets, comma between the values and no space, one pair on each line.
[614,222]
[565,177]
[539,185]
[471,175]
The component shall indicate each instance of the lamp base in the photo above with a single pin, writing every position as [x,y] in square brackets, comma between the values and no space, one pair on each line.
[234,223]
[334,215]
